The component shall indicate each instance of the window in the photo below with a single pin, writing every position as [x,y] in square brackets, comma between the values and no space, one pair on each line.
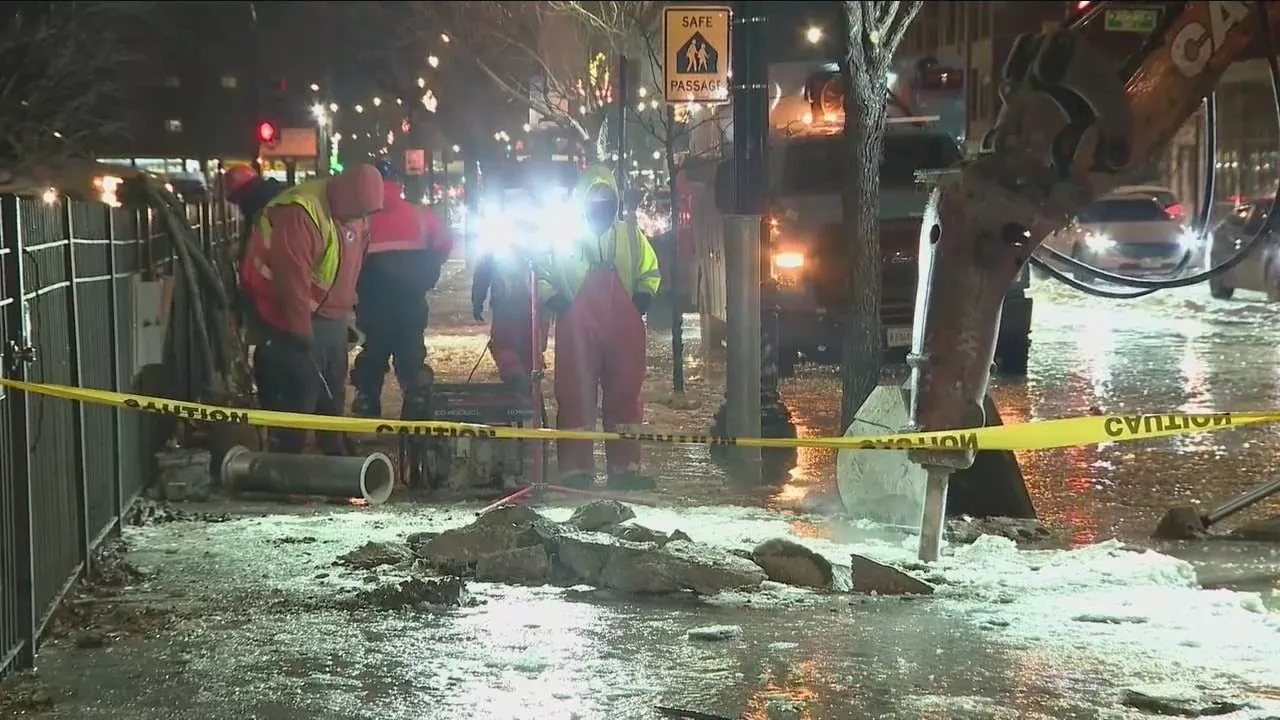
[815,167]
[173,126]
[229,82]
[1134,210]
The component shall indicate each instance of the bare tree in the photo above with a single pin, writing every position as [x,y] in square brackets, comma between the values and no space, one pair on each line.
[873,31]
[555,57]
[64,74]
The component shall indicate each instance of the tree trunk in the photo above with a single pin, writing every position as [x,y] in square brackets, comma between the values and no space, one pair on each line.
[864,105]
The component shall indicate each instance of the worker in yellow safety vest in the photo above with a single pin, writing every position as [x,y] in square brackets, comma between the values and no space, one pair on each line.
[599,288]
[299,275]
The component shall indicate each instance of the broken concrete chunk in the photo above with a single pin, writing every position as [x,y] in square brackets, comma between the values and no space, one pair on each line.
[709,569]
[600,513]
[412,593]
[1177,701]
[373,554]
[636,533]
[715,632]
[870,577]
[679,535]
[524,566]
[468,544]
[585,554]
[791,563]
[964,530]
[508,515]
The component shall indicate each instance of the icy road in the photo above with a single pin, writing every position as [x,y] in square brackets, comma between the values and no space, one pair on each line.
[239,619]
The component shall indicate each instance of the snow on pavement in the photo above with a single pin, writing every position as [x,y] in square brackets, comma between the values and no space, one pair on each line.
[1127,607]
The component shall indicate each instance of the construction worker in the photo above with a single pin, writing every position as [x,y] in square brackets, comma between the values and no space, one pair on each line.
[503,280]
[598,290]
[408,246]
[299,275]
[249,191]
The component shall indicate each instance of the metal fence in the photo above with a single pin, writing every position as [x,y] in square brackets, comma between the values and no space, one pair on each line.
[72,275]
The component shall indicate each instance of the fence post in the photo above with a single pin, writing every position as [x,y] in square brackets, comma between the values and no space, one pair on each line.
[16,356]
[113,332]
[77,377]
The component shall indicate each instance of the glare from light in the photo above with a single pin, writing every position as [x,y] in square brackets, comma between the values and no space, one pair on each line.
[657,154]
[788,260]
[317,111]
[433,61]
[377,102]
[444,38]
[457,149]
[526,127]
[333,107]
[813,34]
[359,108]
[1098,242]
[315,87]
[1188,238]
[422,82]
[642,91]
[640,106]
[50,196]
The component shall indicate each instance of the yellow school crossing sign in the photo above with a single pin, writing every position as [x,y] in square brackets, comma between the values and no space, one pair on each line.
[695,64]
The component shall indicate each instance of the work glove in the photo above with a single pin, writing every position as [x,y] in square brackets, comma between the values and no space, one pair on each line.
[641,301]
[557,305]
[477,312]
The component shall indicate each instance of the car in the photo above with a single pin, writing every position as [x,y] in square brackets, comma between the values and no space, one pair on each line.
[1128,235]
[1260,270]
[1165,197]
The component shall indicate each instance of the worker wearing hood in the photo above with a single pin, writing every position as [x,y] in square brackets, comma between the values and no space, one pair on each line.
[408,246]
[301,264]
[598,290]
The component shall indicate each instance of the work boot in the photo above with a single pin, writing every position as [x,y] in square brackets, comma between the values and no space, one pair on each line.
[631,480]
[366,405]
[578,480]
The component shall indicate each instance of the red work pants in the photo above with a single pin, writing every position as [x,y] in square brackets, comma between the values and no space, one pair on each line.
[600,352]
[511,336]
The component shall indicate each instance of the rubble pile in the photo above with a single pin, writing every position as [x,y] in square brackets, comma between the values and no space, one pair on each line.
[602,546]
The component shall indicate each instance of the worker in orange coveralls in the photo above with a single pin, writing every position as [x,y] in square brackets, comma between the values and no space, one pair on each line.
[503,278]
[301,264]
[408,246]
[599,288]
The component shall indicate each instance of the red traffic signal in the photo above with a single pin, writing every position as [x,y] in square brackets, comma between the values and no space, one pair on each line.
[268,132]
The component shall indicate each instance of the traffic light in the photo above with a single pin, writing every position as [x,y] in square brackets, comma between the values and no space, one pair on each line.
[268,132]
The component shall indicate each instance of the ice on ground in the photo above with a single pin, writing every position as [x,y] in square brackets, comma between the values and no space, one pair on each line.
[715,632]
[1126,606]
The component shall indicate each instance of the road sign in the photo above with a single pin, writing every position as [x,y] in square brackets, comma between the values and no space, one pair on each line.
[415,161]
[292,143]
[695,44]
[1132,20]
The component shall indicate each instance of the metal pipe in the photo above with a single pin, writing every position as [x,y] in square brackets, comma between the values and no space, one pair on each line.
[370,477]
[1242,502]
[935,512]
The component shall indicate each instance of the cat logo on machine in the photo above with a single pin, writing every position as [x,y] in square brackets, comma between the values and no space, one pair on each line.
[1194,45]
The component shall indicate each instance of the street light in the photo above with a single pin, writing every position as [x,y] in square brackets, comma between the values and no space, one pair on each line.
[315,87]
[813,34]
[433,61]
[444,38]
[359,108]
[377,102]
[333,107]
[317,111]
[422,82]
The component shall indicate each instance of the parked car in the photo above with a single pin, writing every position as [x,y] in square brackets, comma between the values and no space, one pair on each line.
[1129,235]
[1260,270]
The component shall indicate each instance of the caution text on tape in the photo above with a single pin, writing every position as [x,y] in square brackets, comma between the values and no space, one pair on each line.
[1039,435]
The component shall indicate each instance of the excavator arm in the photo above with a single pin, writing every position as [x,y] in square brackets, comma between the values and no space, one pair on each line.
[1071,130]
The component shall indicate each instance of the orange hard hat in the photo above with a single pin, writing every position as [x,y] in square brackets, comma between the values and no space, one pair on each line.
[237,178]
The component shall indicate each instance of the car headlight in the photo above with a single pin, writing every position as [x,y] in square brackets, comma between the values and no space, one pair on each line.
[1098,242]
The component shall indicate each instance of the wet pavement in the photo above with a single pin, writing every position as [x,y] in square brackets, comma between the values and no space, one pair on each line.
[254,627]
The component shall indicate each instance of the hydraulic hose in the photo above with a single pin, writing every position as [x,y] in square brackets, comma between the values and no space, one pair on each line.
[1204,210]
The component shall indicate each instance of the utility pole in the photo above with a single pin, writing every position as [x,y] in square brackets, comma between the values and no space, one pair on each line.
[744,227]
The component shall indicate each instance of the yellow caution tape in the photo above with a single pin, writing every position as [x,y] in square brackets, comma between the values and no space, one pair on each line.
[1040,435]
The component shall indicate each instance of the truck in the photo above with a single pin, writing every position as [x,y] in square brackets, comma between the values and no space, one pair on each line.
[924,136]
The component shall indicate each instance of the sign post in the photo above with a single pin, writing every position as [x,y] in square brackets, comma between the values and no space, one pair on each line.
[695,43]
